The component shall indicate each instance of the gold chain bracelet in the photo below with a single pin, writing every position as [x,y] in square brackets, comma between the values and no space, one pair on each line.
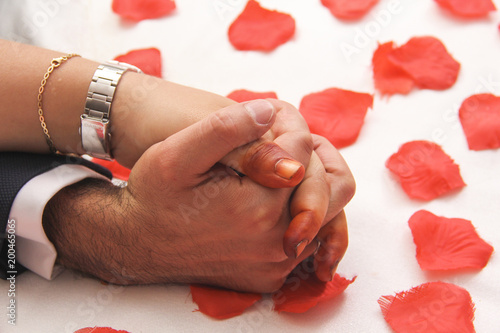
[56,62]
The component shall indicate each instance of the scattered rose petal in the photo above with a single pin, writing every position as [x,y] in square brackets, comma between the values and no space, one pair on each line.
[480,118]
[349,9]
[423,60]
[260,29]
[468,8]
[243,95]
[389,78]
[117,170]
[336,114]
[221,303]
[138,10]
[430,307]
[148,60]
[303,291]
[427,61]
[98,330]
[424,170]
[447,243]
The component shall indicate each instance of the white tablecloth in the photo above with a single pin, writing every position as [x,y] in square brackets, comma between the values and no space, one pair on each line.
[196,52]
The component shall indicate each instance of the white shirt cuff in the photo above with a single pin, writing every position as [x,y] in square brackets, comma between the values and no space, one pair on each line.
[33,249]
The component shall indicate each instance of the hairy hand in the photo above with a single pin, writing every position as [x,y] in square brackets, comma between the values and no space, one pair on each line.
[184,217]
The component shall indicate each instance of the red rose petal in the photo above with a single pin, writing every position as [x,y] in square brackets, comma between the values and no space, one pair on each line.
[349,9]
[336,114]
[430,307]
[243,95]
[116,169]
[303,291]
[257,28]
[480,118]
[138,10]
[148,60]
[98,330]
[447,243]
[427,61]
[389,78]
[424,170]
[222,303]
[468,8]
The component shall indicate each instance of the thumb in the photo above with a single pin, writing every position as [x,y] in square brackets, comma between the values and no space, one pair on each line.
[197,148]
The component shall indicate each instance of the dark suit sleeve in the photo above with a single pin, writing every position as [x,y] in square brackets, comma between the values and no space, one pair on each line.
[16,169]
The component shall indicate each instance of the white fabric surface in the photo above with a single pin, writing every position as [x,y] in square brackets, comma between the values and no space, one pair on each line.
[34,250]
[381,253]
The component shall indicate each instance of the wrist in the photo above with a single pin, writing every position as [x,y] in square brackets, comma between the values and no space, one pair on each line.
[147,110]
[84,222]
[130,132]
[64,102]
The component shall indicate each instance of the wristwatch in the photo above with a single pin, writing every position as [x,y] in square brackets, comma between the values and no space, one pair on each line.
[94,122]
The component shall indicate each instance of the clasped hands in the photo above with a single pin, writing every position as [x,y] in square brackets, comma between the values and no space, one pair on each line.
[186,215]
[195,220]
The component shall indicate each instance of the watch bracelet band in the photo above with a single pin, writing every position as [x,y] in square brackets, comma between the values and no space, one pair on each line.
[95,125]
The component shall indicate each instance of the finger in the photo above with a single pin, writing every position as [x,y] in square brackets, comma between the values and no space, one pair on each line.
[266,163]
[334,240]
[279,158]
[309,252]
[308,209]
[291,132]
[338,175]
[200,146]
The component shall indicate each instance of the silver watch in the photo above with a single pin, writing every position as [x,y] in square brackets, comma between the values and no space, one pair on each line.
[94,122]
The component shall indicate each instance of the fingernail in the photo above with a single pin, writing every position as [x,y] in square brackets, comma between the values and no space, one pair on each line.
[299,248]
[317,247]
[262,111]
[286,168]
[333,268]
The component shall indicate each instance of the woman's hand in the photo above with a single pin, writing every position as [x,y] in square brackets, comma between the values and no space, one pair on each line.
[148,110]
[317,209]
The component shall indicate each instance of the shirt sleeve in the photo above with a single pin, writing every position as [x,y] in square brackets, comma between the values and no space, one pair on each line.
[33,249]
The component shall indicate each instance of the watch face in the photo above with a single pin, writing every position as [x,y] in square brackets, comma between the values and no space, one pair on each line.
[95,136]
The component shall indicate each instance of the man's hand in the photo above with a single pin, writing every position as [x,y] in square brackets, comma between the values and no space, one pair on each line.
[273,161]
[183,217]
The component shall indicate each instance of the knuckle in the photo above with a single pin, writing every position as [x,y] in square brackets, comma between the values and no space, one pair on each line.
[259,153]
[163,161]
[348,188]
[334,243]
[307,142]
[224,128]
[320,141]
[340,247]
[337,248]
